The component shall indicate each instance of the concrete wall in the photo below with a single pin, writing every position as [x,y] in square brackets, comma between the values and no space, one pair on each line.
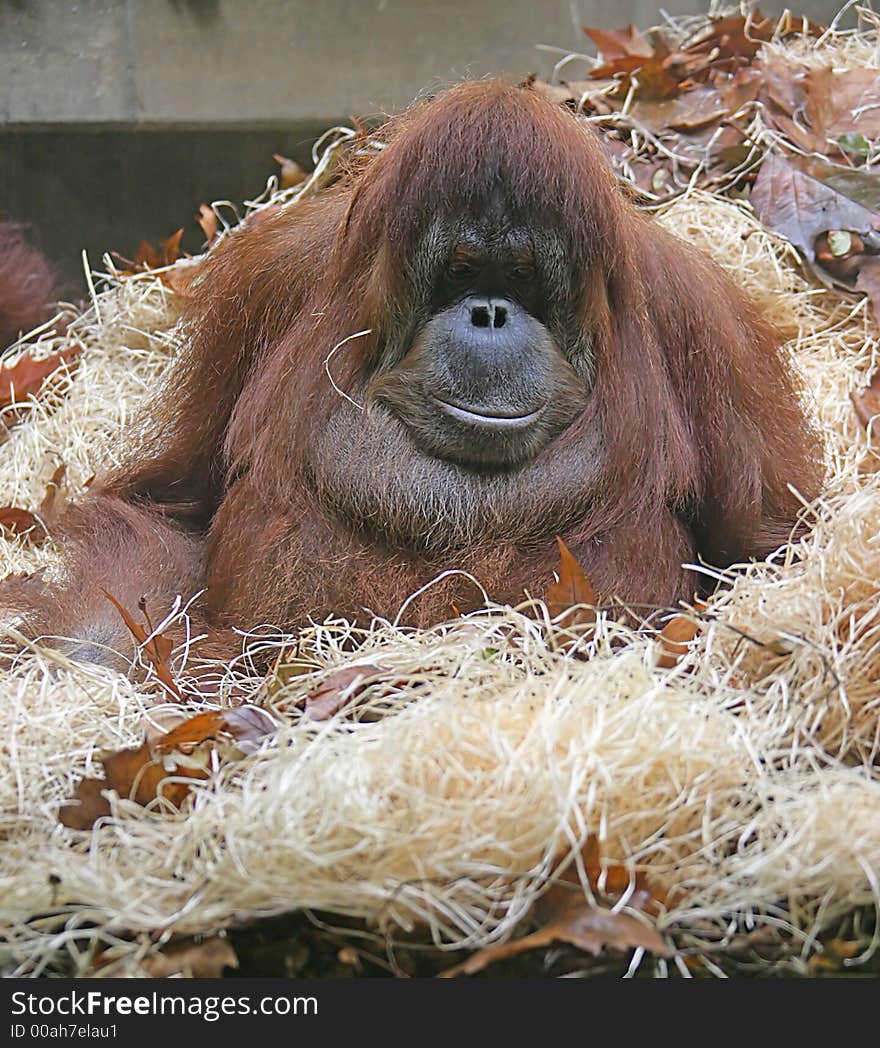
[225,62]
[118,118]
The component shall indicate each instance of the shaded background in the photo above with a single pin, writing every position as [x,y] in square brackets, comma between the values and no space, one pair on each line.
[118,118]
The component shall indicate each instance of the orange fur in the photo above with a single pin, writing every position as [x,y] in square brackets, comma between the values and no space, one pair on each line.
[690,439]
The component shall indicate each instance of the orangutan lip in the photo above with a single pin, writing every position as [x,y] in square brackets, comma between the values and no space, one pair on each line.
[480,418]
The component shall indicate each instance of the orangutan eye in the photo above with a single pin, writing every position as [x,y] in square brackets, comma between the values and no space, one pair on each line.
[460,267]
[523,271]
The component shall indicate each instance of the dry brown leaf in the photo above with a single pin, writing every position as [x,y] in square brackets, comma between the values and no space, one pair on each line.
[567,915]
[170,248]
[651,69]
[148,257]
[781,87]
[291,174]
[16,521]
[616,43]
[572,589]
[207,220]
[819,108]
[202,959]
[88,805]
[137,774]
[688,112]
[663,75]
[157,647]
[182,755]
[339,690]
[246,726]
[134,774]
[803,202]
[186,753]
[735,40]
[588,927]
[674,640]
[841,102]
[608,880]
[286,667]
[28,377]
[835,955]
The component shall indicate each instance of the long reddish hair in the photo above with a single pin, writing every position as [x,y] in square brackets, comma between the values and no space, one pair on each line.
[692,395]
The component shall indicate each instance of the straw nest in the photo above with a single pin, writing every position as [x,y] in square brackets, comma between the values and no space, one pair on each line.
[744,780]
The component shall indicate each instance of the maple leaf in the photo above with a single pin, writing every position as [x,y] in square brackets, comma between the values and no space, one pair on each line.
[735,40]
[651,70]
[617,43]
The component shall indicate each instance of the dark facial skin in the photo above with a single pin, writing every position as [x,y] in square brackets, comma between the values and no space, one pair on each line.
[487,365]
[485,382]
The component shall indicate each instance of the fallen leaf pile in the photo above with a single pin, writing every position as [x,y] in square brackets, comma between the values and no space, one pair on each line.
[173,755]
[167,763]
[715,109]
